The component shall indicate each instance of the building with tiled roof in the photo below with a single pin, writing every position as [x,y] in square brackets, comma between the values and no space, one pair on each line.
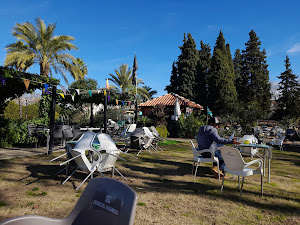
[168,100]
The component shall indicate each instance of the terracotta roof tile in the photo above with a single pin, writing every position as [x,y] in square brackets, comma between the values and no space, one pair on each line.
[169,100]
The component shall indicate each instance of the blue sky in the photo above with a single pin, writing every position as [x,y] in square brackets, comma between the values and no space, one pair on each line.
[109,33]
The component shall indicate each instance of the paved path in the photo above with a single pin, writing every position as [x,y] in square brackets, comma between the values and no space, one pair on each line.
[14,152]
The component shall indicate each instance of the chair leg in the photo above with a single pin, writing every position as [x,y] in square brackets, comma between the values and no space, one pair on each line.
[196,170]
[262,185]
[193,167]
[241,190]
[222,182]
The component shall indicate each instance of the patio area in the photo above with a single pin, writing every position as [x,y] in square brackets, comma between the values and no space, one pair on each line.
[167,193]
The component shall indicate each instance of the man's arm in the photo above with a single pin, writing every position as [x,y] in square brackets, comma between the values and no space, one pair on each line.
[219,140]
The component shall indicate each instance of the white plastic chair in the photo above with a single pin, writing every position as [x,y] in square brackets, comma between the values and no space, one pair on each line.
[278,142]
[198,158]
[235,165]
[249,150]
[149,139]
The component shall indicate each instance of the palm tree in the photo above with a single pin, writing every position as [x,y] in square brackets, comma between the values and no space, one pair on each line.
[123,80]
[42,47]
[151,92]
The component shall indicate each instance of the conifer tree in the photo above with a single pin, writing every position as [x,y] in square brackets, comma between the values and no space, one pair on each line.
[173,86]
[222,92]
[255,78]
[238,64]
[288,101]
[187,68]
[203,68]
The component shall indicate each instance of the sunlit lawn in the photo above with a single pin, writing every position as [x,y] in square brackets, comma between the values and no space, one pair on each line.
[167,192]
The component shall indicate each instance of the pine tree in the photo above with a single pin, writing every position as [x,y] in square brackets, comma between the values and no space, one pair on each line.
[173,87]
[203,68]
[289,88]
[187,68]
[238,64]
[222,92]
[255,77]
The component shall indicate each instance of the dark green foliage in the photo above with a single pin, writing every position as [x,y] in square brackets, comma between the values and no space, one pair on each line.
[173,87]
[222,92]
[289,97]
[203,68]
[255,89]
[187,68]
[158,113]
[45,104]
[238,64]
[187,126]
[14,132]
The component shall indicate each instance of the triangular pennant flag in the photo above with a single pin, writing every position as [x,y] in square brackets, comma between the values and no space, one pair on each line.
[108,98]
[90,92]
[47,92]
[78,91]
[62,95]
[123,103]
[129,103]
[73,97]
[3,80]
[117,102]
[46,87]
[64,89]
[107,84]
[104,92]
[26,82]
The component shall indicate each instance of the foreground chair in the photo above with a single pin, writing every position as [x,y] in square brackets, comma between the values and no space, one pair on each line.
[235,165]
[104,201]
[198,158]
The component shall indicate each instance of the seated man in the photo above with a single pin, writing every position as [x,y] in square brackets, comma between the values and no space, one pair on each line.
[208,138]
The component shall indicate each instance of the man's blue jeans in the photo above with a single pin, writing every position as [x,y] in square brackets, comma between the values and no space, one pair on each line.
[218,155]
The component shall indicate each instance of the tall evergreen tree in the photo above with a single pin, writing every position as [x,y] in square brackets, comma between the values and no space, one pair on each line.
[289,97]
[203,68]
[173,86]
[238,64]
[255,78]
[222,92]
[187,68]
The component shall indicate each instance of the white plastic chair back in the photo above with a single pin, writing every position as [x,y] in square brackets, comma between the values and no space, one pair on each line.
[147,132]
[195,152]
[83,145]
[232,158]
[131,128]
[250,150]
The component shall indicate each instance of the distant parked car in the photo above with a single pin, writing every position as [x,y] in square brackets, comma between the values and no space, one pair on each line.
[289,133]
[276,130]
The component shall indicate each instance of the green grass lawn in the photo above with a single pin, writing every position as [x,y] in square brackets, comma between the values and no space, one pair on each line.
[167,192]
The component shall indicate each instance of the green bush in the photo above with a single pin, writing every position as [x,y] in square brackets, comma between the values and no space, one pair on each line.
[162,130]
[14,132]
[187,126]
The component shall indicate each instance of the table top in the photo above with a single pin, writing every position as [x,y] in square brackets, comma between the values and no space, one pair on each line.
[254,145]
[90,128]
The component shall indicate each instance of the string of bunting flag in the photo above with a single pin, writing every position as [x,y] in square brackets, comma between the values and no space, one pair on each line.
[79,91]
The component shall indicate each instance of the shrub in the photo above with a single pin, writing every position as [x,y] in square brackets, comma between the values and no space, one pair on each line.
[13,132]
[162,130]
[187,126]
